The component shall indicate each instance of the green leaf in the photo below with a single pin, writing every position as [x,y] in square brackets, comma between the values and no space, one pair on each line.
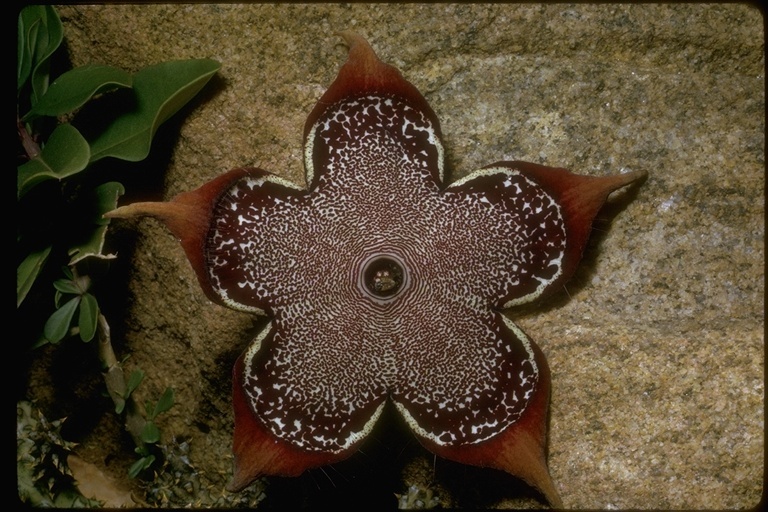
[133,382]
[23,51]
[41,341]
[58,324]
[67,286]
[119,404]
[89,317]
[160,91]
[150,434]
[102,200]
[165,403]
[68,272]
[65,154]
[140,465]
[42,33]
[30,20]
[75,87]
[27,272]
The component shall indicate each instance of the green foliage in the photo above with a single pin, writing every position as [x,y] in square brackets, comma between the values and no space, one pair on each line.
[160,91]
[121,396]
[65,154]
[74,88]
[150,434]
[40,34]
[67,125]
[28,270]
[58,324]
[69,149]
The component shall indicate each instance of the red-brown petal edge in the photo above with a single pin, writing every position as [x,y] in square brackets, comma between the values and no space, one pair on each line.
[188,217]
[258,452]
[521,449]
[581,198]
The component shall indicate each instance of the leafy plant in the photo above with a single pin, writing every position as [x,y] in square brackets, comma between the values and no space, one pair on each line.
[57,326]
[67,125]
[43,477]
[56,149]
[150,434]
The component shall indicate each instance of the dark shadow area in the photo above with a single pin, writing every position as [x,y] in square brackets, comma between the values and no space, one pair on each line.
[368,480]
[475,488]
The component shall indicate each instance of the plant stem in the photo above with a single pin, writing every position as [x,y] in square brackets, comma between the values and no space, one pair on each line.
[115,381]
[31,147]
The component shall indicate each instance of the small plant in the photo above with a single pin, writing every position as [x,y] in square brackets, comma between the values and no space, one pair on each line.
[417,498]
[150,434]
[57,326]
[43,477]
[68,127]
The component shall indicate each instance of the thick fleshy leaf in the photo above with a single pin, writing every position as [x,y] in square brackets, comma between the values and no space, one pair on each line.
[165,403]
[150,433]
[102,199]
[75,87]
[89,317]
[58,324]
[140,465]
[40,34]
[23,50]
[65,154]
[133,382]
[27,272]
[160,91]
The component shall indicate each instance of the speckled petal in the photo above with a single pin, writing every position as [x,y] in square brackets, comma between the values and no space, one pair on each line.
[382,283]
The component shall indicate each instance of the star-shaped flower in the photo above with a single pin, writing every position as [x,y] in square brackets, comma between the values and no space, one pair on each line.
[385,285]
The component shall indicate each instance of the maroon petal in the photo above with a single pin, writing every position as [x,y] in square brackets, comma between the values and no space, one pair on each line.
[580,198]
[520,448]
[257,451]
[364,75]
[189,216]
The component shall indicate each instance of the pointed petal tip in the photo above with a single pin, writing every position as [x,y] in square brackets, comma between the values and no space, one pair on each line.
[589,193]
[352,38]
[258,452]
[238,482]
[359,47]
[520,449]
[523,456]
[364,73]
[617,181]
[636,175]
[141,209]
[363,65]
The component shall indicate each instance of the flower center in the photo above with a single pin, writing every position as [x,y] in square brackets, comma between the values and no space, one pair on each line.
[383,277]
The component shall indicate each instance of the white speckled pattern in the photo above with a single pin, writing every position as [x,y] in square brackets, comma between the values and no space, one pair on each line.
[456,369]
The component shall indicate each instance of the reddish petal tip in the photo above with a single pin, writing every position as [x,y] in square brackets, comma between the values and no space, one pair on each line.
[520,450]
[364,73]
[581,198]
[258,452]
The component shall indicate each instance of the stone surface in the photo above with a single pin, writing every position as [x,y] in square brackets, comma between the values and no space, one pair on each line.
[657,345]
